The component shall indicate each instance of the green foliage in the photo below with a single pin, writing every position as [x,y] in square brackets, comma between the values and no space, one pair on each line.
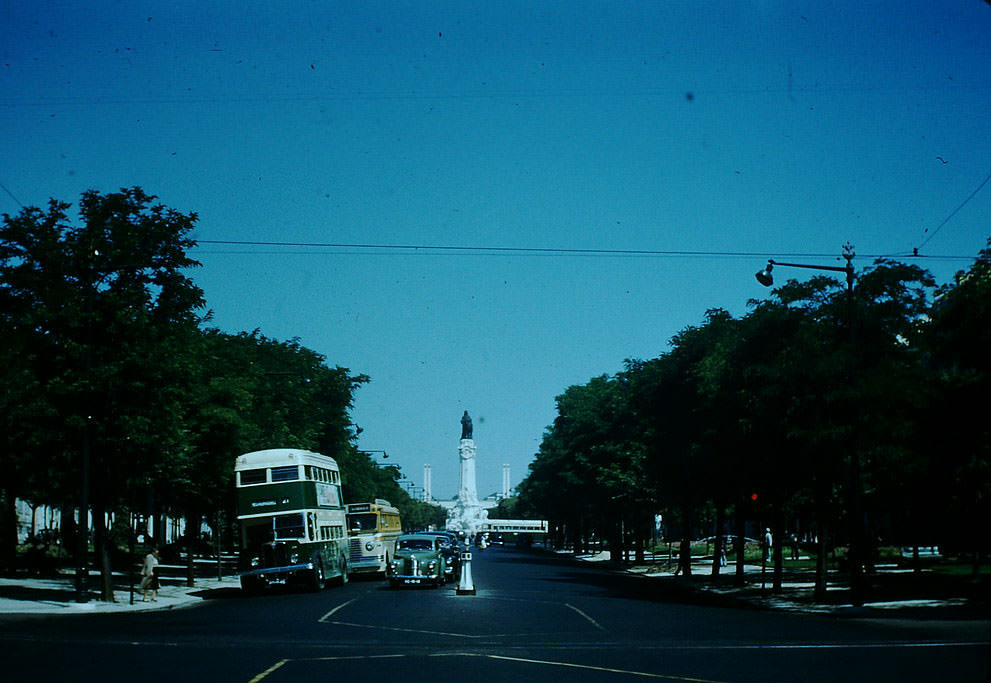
[778,402]
[105,345]
[98,307]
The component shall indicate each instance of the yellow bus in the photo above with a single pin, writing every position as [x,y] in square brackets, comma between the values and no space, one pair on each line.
[373,529]
[291,519]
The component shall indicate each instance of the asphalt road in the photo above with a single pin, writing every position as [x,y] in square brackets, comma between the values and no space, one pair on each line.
[534,617]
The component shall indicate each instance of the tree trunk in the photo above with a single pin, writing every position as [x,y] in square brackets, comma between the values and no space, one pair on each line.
[101,545]
[820,588]
[639,529]
[70,531]
[779,535]
[616,541]
[741,543]
[685,550]
[192,533]
[778,555]
[8,529]
[717,553]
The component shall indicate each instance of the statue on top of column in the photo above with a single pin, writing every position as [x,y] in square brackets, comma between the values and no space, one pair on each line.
[466,428]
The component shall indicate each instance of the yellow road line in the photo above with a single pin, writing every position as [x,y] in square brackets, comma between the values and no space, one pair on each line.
[590,619]
[278,664]
[269,670]
[331,612]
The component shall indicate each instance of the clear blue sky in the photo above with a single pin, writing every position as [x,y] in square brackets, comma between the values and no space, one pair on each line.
[769,128]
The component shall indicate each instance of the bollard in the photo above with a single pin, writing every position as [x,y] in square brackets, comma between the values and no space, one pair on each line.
[466,586]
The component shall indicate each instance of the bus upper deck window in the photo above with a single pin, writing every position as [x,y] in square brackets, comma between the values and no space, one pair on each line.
[289,473]
[252,477]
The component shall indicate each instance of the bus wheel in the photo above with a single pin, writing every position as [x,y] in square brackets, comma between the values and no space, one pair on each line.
[317,578]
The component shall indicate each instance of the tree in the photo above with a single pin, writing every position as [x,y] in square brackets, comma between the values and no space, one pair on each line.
[959,438]
[100,304]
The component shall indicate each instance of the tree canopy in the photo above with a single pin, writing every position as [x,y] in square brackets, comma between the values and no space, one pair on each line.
[820,407]
[112,368]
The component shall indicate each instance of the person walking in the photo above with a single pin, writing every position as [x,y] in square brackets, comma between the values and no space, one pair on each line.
[149,576]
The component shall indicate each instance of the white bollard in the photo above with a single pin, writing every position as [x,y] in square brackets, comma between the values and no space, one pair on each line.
[466,586]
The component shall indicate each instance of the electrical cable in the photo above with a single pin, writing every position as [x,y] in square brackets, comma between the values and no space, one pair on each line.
[952,214]
[438,249]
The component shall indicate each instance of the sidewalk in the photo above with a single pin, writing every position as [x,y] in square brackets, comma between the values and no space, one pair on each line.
[57,595]
[797,590]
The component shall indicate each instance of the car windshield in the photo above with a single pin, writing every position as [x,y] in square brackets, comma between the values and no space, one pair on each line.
[416,544]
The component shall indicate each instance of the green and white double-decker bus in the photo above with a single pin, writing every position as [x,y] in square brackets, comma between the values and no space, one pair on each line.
[291,519]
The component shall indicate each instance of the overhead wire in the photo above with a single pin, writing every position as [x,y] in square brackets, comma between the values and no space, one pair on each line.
[953,213]
[322,248]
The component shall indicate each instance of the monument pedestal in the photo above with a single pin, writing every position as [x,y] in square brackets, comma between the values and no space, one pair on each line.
[467,516]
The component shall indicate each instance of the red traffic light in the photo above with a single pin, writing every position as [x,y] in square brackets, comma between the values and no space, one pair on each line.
[753,497]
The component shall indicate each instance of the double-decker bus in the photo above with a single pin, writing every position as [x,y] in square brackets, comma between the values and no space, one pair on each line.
[291,519]
[373,529]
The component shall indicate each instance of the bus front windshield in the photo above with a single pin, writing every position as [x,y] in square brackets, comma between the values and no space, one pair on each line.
[288,527]
[367,521]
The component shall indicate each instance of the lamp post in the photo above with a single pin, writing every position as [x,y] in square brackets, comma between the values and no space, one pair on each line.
[385,456]
[856,507]
[89,294]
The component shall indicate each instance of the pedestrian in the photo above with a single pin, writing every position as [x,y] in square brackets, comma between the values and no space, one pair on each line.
[149,576]
[768,542]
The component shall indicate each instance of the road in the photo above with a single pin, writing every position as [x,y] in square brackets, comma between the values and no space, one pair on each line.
[534,617]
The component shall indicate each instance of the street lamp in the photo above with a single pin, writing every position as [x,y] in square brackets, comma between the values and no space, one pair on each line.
[765,278]
[856,508]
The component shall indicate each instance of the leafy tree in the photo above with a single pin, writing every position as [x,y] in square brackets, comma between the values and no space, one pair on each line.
[99,303]
[959,438]
[676,404]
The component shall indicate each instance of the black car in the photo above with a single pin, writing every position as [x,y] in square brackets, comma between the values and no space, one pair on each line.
[451,549]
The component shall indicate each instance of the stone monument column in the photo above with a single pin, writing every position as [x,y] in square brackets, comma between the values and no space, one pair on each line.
[467,515]
[467,492]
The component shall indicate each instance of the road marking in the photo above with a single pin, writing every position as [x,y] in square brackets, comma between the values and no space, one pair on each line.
[432,633]
[278,664]
[826,646]
[329,614]
[325,619]
[588,667]
[269,670]
[590,619]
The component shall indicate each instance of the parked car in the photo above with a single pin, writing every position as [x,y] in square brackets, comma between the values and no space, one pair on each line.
[418,560]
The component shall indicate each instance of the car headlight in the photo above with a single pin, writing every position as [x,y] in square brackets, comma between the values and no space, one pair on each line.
[256,562]
[294,558]
[370,545]
[432,565]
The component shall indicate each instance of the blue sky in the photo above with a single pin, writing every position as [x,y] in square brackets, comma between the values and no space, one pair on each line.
[737,131]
